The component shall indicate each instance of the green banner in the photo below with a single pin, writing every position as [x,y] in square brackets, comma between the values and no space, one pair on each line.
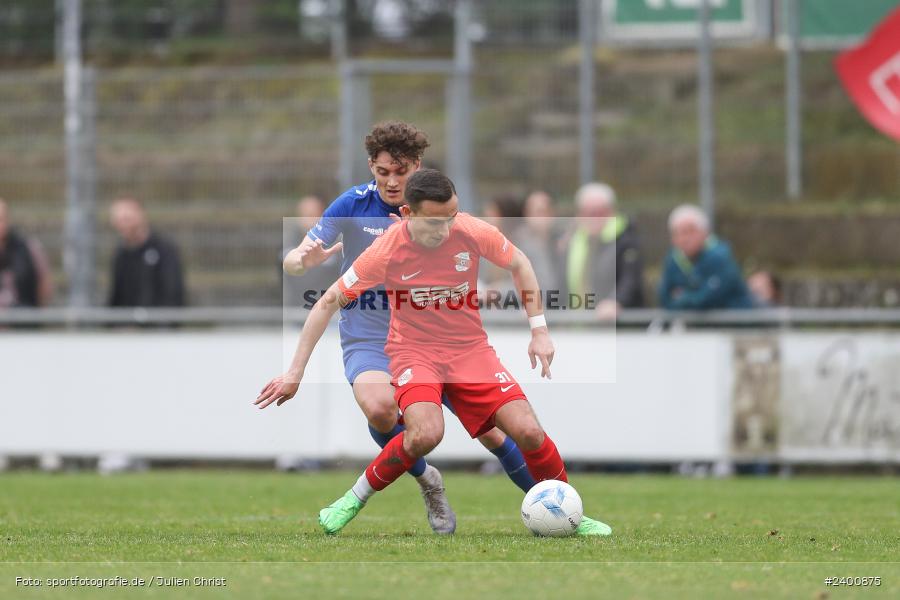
[840,22]
[632,12]
[656,21]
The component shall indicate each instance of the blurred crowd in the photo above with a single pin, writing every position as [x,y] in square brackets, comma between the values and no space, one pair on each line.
[590,254]
[596,256]
[145,270]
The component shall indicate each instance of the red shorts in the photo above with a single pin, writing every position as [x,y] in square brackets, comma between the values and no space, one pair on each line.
[476,383]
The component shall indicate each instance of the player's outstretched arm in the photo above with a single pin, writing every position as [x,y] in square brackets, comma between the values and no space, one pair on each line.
[310,253]
[282,388]
[541,346]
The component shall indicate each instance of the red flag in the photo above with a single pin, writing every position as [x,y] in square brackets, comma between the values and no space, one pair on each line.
[870,73]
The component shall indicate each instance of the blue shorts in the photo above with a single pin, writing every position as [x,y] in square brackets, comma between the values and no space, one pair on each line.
[360,357]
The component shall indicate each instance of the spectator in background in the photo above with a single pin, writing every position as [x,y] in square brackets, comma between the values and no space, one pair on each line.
[765,288]
[146,267]
[505,213]
[308,211]
[25,279]
[602,253]
[539,238]
[700,272]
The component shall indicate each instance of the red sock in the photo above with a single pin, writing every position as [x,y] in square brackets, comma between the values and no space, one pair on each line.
[390,464]
[545,462]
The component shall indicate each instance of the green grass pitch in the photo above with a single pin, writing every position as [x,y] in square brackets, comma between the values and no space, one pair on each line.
[673,538]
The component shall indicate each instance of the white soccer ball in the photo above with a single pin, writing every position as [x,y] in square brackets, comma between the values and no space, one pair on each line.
[552,508]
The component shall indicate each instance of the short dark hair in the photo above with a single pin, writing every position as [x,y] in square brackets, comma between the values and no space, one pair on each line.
[403,141]
[428,184]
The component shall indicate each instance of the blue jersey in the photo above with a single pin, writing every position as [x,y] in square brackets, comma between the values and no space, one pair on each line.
[361,216]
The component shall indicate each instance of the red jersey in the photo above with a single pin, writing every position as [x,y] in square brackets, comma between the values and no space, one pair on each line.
[432,291]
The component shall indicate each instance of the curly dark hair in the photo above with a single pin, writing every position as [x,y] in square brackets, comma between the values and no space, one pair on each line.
[403,141]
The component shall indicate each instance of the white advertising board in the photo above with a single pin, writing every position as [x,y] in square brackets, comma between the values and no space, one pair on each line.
[188,394]
[840,398]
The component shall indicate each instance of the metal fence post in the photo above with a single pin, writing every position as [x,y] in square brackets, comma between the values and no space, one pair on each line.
[78,255]
[793,150]
[705,114]
[587,23]
[459,101]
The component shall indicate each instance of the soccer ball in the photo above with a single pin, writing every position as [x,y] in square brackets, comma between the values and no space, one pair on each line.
[552,508]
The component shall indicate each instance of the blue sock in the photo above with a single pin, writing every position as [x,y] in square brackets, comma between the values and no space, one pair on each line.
[383,438]
[514,464]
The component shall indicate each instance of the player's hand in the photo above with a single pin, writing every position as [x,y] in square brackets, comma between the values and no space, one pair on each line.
[316,254]
[395,218]
[278,391]
[541,349]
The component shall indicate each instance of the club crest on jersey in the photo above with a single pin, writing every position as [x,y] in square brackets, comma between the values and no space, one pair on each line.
[463,262]
[404,378]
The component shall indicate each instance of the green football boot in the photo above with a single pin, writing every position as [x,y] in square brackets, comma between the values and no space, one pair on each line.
[335,517]
[589,526]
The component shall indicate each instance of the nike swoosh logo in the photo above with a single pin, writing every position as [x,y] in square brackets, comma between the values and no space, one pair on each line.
[405,277]
[503,389]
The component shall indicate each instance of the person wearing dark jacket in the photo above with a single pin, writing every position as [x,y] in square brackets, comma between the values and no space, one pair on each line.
[700,272]
[146,268]
[602,255]
[25,279]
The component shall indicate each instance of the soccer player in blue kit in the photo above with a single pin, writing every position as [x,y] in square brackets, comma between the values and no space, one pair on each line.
[361,215]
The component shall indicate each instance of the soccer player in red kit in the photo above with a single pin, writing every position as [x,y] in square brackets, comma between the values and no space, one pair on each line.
[436,342]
